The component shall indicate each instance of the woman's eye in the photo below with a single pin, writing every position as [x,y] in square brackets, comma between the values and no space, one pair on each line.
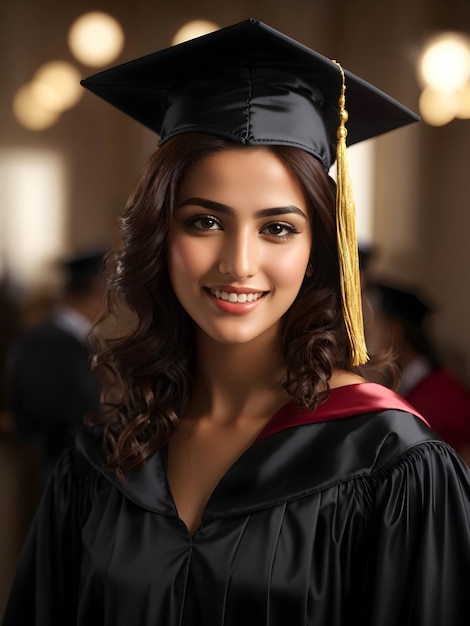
[279,229]
[204,222]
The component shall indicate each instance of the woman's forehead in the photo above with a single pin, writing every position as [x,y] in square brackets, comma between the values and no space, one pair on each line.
[246,175]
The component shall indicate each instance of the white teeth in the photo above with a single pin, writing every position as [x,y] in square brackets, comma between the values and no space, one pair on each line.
[236,297]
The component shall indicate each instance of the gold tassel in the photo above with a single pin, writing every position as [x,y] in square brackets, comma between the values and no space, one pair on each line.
[347,240]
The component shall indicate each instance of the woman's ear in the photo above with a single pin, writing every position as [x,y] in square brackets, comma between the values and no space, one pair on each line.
[309,271]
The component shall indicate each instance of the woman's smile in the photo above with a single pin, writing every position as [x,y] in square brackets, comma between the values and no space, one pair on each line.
[236,303]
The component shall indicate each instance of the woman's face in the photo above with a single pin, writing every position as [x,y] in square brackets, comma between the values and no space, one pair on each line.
[239,244]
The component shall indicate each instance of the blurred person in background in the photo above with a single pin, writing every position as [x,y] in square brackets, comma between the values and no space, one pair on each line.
[390,375]
[10,329]
[366,256]
[18,460]
[431,387]
[52,387]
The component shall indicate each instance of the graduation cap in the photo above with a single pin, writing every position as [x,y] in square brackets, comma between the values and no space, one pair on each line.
[256,86]
[402,304]
[81,270]
[366,254]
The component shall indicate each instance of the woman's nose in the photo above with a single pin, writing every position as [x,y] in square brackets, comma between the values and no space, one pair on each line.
[239,255]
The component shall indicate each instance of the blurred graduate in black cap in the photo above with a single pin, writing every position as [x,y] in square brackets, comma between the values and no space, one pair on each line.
[52,386]
[425,381]
[242,470]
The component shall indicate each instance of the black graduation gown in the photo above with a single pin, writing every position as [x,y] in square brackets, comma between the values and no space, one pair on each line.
[353,514]
[52,387]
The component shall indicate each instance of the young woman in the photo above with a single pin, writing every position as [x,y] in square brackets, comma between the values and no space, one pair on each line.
[242,470]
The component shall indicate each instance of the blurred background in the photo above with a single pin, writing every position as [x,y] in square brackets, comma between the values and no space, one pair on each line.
[66,171]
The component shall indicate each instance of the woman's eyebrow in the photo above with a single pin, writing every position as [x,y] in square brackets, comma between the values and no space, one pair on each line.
[280,210]
[208,204]
[227,210]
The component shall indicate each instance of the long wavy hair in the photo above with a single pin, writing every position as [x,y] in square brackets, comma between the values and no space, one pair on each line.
[146,369]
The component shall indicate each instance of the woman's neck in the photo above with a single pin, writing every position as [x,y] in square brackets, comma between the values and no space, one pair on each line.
[237,379]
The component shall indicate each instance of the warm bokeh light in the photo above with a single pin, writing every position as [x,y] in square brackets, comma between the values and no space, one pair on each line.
[33,195]
[193,29]
[56,85]
[438,107]
[464,110]
[96,38]
[445,62]
[444,75]
[29,112]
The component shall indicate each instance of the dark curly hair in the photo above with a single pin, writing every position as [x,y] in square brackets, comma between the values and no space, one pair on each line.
[146,370]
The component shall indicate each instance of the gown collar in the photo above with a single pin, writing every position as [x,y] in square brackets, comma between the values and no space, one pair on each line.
[346,401]
[258,478]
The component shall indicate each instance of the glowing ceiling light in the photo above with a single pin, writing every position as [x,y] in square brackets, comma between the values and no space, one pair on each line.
[56,85]
[29,112]
[445,62]
[438,107]
[96,38]
[193,29]
[464,110]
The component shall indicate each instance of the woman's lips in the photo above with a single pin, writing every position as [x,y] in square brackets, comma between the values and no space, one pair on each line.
[236,302]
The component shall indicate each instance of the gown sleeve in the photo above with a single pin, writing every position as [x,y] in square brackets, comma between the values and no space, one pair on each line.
[45,587]
[418,564]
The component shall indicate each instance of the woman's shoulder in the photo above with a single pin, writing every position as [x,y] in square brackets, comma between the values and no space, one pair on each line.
[76,475]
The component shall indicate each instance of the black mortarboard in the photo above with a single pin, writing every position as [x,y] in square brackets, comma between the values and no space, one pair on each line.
[366,253]
[256,86]
[402,304]
[250,83]
[81,270]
